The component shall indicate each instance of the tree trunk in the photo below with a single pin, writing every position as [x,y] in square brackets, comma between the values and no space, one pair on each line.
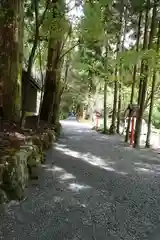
[119,109]
[89,100]
[134,76]
[131,102]
[144,74]
[50,87]
[11,48]
[49,108]
[56,102]
[150,111]
[152,94]
[140,83]
[38,23]
[42,84]
[105,106]
[56,108]
[114,113]
[21,37]
[79,110]
[105,89]
[30,62]
[123,34]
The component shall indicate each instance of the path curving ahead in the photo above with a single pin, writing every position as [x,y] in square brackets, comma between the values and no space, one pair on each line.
[92,187]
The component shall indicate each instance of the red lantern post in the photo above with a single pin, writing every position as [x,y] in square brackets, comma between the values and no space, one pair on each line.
[131,112]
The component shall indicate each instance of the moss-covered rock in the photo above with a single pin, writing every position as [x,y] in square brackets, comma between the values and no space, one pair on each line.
[57,129]
[3,197]
[2,167]
[36,140]
[35,157]
[48,138]
[45,141]
[15,175]
[20,165]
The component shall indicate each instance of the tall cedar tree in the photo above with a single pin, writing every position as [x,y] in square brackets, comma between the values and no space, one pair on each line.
[123,34]
[134,76]
[50,97]
[38,23]
[11,48]
[114,113]
[144,73]
[152,93]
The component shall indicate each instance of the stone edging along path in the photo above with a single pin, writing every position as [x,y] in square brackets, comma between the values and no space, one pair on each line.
[19,165]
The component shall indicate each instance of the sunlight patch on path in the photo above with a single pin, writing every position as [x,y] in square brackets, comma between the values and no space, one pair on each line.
[77,187]
[147,168]
[63,175]
[90,158]
[67,178]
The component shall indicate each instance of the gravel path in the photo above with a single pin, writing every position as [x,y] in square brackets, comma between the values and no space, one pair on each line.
[92,187]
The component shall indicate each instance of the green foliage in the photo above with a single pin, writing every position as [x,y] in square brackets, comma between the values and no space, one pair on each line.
[96,56]
[92,32]
[156,116]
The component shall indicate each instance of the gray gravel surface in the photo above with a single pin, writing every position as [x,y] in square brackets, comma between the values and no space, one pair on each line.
[92,187]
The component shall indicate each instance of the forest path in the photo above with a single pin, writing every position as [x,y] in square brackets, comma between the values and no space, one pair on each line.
[92,187]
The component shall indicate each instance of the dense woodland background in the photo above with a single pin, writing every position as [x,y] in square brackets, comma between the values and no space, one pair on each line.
[109,51]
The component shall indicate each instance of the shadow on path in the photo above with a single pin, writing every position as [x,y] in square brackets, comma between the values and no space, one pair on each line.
[92,187]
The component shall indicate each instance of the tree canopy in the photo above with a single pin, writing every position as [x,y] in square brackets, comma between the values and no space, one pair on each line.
[87,55]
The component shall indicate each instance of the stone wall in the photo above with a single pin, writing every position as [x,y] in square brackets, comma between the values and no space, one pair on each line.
[18,166]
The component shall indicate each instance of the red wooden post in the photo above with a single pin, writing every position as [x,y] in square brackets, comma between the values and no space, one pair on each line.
[132,132]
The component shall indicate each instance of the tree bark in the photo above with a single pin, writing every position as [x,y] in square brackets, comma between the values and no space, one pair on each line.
[50,87]
[38,23]
[105,90]
[119,109]
[134,76]
[30,61]
[42,84]
[56,108]
[11,48]
[105,106]
[57,97]
[123,34]
[114,113]
[152,94]
[144,75]
[49,108]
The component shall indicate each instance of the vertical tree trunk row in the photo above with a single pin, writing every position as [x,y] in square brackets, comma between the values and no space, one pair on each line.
[114,113]
[144,74]
[11,32]
[50,88]
[121,76]
[152,93]
[105,89]
[134,76]
[105,105]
